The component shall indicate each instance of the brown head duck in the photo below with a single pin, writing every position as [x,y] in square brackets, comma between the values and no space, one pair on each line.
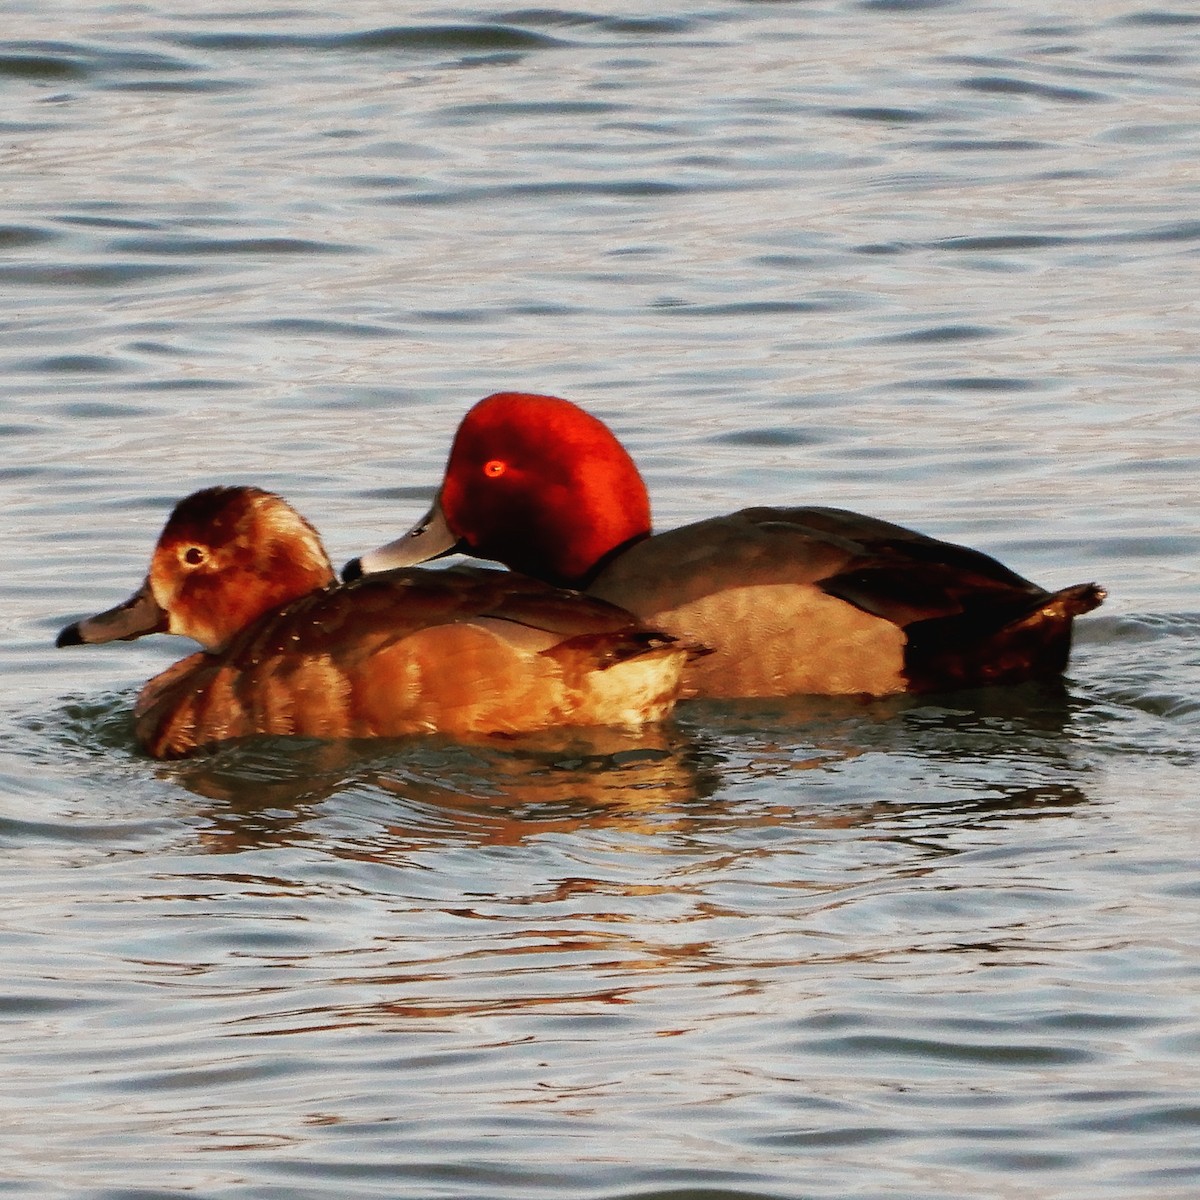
[287,651]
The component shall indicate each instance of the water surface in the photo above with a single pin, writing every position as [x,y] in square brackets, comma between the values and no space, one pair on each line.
[934,261]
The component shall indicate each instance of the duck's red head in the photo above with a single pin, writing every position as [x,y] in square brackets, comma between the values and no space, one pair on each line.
[540,485]
[533,482]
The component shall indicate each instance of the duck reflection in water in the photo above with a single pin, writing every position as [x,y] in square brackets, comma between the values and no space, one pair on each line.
[588,867]
[287,651]
[903,768]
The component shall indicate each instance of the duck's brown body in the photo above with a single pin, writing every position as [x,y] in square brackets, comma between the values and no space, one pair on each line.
[466,652]
[463,653]
[789,600]
[457,652]
[822,601]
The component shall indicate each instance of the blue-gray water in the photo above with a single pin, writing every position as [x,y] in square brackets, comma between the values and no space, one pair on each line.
[937,261]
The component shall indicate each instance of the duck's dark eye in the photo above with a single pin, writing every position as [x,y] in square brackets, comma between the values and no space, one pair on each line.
[494,468]
[194,556]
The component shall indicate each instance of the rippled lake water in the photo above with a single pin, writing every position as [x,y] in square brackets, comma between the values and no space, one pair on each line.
[937,261]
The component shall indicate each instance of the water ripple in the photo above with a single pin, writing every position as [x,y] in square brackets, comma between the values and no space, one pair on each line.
[88,275]
[439,38]
[1008,86]
[201,247]
[80,61]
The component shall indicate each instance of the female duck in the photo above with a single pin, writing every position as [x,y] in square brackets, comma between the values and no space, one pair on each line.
[287,652]
[790,600]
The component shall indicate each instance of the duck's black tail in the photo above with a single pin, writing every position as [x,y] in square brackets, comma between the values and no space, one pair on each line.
[1034,642]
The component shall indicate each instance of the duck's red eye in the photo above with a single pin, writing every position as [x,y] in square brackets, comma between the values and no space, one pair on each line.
[495,468]
[193,556]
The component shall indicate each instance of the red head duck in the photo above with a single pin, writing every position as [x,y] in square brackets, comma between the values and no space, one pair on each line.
[287,651]
[790,600]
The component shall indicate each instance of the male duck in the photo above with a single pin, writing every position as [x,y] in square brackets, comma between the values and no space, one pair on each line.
[288,652]
[790,600]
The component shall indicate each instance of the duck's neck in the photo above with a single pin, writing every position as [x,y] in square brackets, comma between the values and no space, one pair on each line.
[585,581]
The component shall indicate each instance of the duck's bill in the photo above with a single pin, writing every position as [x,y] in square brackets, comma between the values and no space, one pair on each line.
[429,538]
[139,615]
